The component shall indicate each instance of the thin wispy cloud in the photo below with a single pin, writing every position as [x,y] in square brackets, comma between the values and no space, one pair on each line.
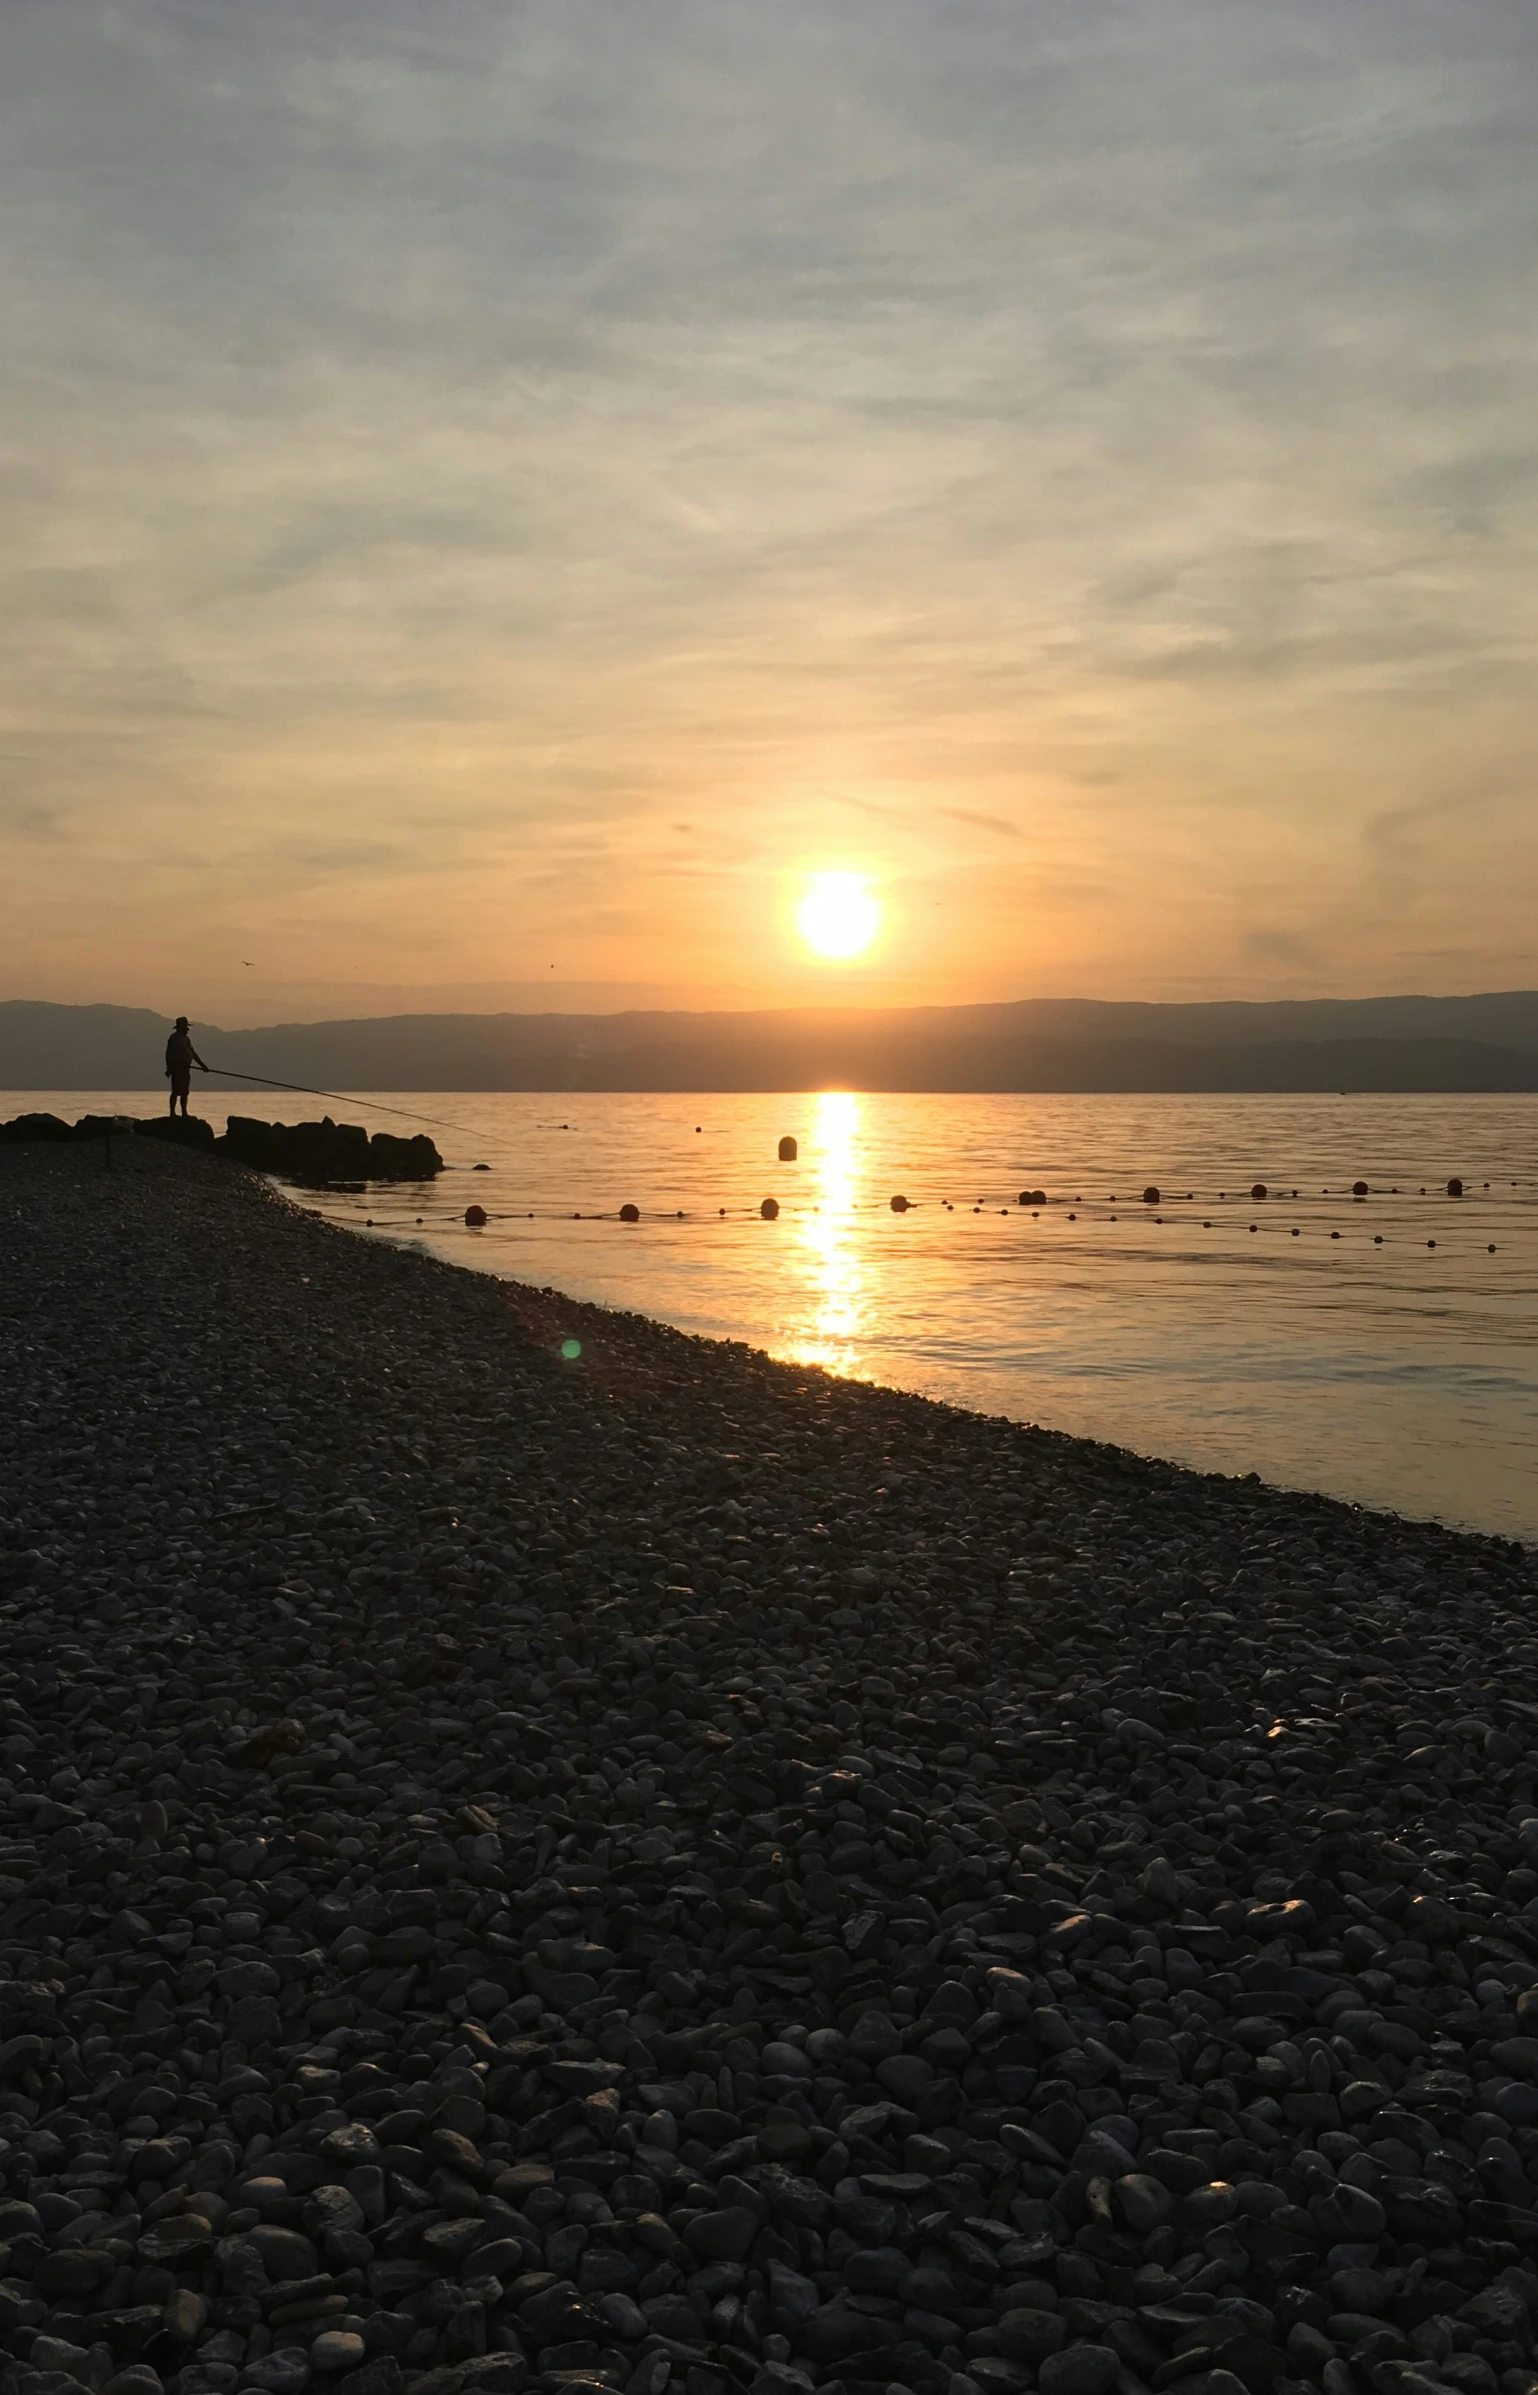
[980,822]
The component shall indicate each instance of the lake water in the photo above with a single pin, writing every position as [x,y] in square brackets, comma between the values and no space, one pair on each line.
[1275,1335]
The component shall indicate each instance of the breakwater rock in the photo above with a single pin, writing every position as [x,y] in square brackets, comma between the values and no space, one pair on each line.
[304,1152]
[328,1151]
[51,1129]
[667,1870]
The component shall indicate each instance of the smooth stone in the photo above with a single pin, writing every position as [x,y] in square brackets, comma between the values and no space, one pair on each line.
[337,2349]
[1079,2370]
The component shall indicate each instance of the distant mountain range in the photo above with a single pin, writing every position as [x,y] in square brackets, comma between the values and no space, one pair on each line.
[1479,1043]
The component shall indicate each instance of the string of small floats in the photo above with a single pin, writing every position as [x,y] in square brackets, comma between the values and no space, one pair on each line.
[478,1218]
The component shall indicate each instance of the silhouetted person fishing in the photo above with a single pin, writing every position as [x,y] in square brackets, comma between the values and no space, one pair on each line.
[181,1056]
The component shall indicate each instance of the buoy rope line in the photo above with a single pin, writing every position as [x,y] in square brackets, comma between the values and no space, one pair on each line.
[1036,1201]
[482,1218]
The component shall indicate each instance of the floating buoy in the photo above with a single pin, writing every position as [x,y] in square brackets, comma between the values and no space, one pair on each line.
[770,1209]
[1359,1188]
[630,1214]
[475,1217]
[1455,1188]
[1431,1243]
[480,1168]
[900,1205]
[1150,1196]
[1032,1197]
[1335,1234]
[1297,1234]
[788,1150]
[1489,1251]
[1377,1239]
[1259,1190]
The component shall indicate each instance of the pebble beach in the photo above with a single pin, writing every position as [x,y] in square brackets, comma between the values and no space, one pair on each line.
[538,1852]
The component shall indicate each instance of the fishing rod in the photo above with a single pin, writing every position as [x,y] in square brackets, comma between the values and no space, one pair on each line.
[302,1089]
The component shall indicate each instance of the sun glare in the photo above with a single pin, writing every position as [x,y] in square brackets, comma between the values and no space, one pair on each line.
[839,915]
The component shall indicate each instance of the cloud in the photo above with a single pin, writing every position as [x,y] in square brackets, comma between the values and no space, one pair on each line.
[461,444]
[27,819]
[982,822]
[1275,946]
[864,806]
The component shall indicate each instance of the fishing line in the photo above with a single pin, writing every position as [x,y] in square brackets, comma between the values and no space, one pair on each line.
[302,1089]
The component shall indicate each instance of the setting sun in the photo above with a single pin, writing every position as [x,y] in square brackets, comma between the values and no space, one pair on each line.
[838,915]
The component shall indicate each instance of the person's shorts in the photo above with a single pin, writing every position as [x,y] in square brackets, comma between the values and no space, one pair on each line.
[181,1088]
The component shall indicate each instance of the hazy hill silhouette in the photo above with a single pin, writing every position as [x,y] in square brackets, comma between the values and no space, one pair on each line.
[1060,1044]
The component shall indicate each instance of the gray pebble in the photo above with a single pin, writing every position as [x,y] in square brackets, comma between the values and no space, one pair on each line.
[866,1894]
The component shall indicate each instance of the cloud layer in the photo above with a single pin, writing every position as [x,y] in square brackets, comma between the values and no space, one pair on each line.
[503,487]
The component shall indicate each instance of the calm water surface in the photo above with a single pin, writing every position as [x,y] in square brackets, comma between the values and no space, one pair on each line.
[1402,1375]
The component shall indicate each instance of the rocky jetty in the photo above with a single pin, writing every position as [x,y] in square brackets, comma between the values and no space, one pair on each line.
[309,1153]
[660,1869]
[328,1151]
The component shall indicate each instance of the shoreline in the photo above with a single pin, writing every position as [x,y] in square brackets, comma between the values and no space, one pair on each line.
[1379,1350]
[670,1867]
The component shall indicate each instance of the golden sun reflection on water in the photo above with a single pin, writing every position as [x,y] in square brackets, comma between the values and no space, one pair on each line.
[834,1274]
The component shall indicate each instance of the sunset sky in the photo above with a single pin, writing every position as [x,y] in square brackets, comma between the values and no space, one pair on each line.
[503,495]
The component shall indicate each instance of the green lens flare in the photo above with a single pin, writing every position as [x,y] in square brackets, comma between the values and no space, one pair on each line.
[571,1349]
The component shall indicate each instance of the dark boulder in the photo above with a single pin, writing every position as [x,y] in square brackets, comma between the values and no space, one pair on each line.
[250,1141]
[182,1131]
[324,1151]
[414,1159]
[102,1126]
[35,1126]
